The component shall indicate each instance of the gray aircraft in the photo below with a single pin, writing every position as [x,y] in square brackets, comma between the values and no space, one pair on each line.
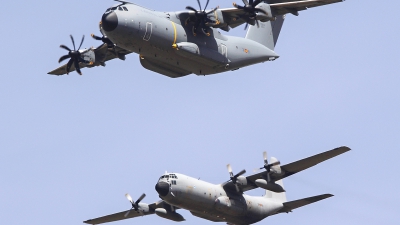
[177,44]
[225,202]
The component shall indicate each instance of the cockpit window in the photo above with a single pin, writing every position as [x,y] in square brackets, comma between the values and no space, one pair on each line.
[120,9]
[125,8]
[113,8]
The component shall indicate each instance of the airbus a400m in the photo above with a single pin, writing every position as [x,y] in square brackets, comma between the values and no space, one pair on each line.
[177,44]
[225,202]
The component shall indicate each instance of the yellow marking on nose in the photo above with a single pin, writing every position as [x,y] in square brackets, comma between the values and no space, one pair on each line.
[175,33]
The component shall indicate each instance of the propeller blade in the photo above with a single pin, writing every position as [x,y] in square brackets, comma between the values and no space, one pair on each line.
[237,188]
[239,6]
[69,64]
[208,1]
[73,42]
[140,198]
[229,169]
[198,1]
[260,10]
[275,163]
[212,11]
[77,68]
[255,3]
[191,8]
[96,37]
[127,213]
[240,173]
[64,58]
[83,38]
[265,158]
[245,2]
[65,47]
[129,197]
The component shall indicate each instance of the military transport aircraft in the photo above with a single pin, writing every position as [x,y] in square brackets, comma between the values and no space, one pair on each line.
[225,202]
[177,44]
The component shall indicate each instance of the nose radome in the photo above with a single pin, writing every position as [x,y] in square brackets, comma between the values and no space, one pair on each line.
[162,188]
[109,21]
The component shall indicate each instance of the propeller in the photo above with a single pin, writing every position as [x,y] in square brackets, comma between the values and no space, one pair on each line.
[274,162]
[201,18]
[135,205]
[104,39]
[250,8]
[233,178]
[73,55]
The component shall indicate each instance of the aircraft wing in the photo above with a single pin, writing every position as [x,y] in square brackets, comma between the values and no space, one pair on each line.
[281,7]
[101,54]
[132,214]
[294,167]
[235,17]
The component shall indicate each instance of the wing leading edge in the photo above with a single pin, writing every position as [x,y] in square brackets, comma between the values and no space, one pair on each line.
[234,17]
[143,211]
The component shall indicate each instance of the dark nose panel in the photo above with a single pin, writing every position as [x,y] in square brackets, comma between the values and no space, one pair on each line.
[109,21]
[162,188]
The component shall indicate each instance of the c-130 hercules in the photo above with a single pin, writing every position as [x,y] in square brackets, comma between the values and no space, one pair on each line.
[225,202]
[177,44]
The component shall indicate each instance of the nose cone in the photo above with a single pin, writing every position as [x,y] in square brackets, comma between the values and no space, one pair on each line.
[109,21]
[162,188]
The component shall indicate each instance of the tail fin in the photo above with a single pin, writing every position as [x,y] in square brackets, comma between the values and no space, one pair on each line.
[289,206]
[281,197]
[268,32]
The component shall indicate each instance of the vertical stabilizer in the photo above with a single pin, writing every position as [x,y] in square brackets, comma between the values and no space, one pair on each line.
[281,197]
[262,34]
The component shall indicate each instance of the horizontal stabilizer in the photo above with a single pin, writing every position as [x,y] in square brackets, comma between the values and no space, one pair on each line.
[289,206]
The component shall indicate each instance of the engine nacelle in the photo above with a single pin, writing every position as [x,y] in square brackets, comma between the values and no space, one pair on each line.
[88,55]
[230,206]
[270,186]
[169,215]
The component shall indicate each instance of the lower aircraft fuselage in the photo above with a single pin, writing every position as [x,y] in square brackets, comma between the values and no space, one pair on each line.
[166,43]
[213,202]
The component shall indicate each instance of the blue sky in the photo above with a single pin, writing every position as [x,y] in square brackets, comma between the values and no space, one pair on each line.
[72,146]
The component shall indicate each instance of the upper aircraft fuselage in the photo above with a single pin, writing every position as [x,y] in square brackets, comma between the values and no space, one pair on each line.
[164,41]
[213,202]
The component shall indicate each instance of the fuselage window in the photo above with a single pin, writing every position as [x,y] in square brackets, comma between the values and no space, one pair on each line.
[125,8]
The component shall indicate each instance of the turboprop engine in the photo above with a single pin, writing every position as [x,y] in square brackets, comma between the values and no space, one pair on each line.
[273,167]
